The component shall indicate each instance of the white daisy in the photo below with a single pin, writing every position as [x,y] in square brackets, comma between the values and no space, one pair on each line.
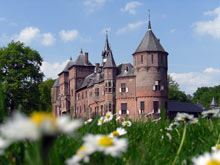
[207,159]
[126,123]
[216,148]
[100,121]
[184,117]
[108,117]
[108,145]
[88,121]
[210,113]
[4,144]
[172,125]
[169,136]
[119,132]
[82,154]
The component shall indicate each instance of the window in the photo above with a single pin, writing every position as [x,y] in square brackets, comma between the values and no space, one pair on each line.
[101,109]
[142,59]
[108,86]
[96,91]
[110,107]
[72,92]
[86,95]
[152,58]
[78,96]
[123,87]
[157,85]
[84,108]
[156,106]
[123,108]
[161,57]
[142,106]
[83,95]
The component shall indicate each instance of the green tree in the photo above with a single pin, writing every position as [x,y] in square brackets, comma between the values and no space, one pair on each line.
[45,94]
[20,76]
[174,94]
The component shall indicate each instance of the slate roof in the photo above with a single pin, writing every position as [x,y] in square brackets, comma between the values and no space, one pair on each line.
[150,42]
[56,83]
[184,107]
[125,70]
[213,103]
[80,61]
[110,62]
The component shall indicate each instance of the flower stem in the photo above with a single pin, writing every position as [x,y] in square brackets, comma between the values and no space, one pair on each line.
[181,145]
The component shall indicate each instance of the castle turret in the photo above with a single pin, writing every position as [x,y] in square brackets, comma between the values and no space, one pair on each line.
[150,65]
[213,103]
[109,69]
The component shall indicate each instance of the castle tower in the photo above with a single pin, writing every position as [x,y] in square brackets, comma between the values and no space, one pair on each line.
[213,103]
[150,66]
[109,69]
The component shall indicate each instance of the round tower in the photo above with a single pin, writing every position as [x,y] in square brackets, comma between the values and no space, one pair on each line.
[150,66]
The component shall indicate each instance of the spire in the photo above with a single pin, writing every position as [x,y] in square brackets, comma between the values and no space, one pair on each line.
[70,58]
[107,47]
[213,103]
[81,52]
[149,24]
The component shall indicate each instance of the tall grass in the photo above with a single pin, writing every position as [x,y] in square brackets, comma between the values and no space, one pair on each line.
[148,144]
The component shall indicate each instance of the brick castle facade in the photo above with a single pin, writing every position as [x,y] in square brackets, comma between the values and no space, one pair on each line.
[85,90]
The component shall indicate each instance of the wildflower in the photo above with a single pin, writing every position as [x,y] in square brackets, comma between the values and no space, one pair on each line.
[172,125]
[126,123]
[3,145]
[216,147]
[108,117]
[88,121]
[101,121]
[194,121]
[169,136]
[207,159]
[119,132]
[184,117]
[210,113]
[108,145]
[82,154]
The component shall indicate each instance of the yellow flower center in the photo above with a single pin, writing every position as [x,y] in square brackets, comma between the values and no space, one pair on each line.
[105,141]
[81,149]
[115,133]
[217,147]
[39,117]
[194,121]
[182,118]
[108,116]
[210,110]
[126,123]
[101,121]
[213,162]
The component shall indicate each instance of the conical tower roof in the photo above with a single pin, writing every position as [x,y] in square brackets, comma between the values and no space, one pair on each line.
[56,83]
[150,42]
[110,62]
[213,103]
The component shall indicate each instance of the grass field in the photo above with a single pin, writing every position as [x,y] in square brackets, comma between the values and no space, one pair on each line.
[148,143]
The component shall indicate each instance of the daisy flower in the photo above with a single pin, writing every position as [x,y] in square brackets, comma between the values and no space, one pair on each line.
[172,125]
[108,117]
[82,154]
[216,147]
[126,123]
[119,132]
[101,121]
[210,113]
[88,121]
[184,117]
[107,145]
[207,159]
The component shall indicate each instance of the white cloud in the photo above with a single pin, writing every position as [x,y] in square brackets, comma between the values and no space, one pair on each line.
[130,7]
[33,34]
[51,70]
[68,35]
[92,5]
[189,82]
[48,39]
[210,27]
[130,27]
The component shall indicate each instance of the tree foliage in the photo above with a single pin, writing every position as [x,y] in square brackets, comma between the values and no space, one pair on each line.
[20,75]
[204,95]
[174,94]
[45,94]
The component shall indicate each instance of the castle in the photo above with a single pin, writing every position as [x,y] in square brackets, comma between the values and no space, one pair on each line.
[85,90]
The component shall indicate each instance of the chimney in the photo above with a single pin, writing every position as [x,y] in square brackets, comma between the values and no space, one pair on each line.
[86,58]
[96,67]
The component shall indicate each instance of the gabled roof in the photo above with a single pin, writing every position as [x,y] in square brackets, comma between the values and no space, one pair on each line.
[183,107]
[56,83]
[110,62]
[213,103]
[150,42]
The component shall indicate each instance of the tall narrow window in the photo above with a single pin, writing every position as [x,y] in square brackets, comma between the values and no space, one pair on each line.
[142,59]
[84,108]
[142,106]
[123,108]
[110,107]
[156,106]
[152,58]
[161,56]
[123,87]
[96,91]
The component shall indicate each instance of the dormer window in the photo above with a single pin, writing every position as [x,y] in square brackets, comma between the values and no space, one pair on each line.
[126,69]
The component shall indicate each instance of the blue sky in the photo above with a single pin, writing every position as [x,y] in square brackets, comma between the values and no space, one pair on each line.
[188,30]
